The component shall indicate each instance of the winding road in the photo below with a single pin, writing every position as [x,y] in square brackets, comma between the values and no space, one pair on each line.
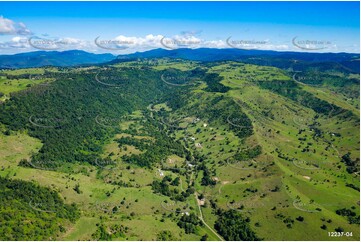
[201,218]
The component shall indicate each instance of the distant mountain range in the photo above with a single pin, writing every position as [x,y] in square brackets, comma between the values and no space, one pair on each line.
[347,62]
[53,58]
[211,54]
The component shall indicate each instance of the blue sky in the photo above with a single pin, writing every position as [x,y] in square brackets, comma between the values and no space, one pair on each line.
[124,27]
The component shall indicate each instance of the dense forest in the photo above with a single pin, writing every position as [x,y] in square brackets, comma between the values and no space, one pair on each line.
[31,212]
[155,151]
[232,226]
[75,115]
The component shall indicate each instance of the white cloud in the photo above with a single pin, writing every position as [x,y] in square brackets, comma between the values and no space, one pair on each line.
[60,44]
[182,41]
[35,43]
[17,39]
[216,44]
[14,44]
[129,44]
[149,40]
[9,27]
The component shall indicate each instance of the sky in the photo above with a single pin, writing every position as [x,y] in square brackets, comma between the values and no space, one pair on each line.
[126,27]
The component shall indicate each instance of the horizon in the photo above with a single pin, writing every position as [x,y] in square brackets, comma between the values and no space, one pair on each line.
[115,54]
[276,26]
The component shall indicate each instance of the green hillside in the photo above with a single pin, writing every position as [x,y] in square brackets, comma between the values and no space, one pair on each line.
[183,150]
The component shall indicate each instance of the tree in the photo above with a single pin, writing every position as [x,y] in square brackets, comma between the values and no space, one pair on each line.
[232,226]
[300,218]
[204,237]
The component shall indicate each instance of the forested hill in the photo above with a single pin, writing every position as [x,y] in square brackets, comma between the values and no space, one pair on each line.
[52,58]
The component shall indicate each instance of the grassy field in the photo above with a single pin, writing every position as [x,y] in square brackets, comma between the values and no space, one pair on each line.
[15,84]
[298,174]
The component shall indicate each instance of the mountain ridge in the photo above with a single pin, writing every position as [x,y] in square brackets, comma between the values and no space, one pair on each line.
[52,58]
[285,60]
[345,62]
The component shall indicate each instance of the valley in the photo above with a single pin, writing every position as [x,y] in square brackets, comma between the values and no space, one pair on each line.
[176,149]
